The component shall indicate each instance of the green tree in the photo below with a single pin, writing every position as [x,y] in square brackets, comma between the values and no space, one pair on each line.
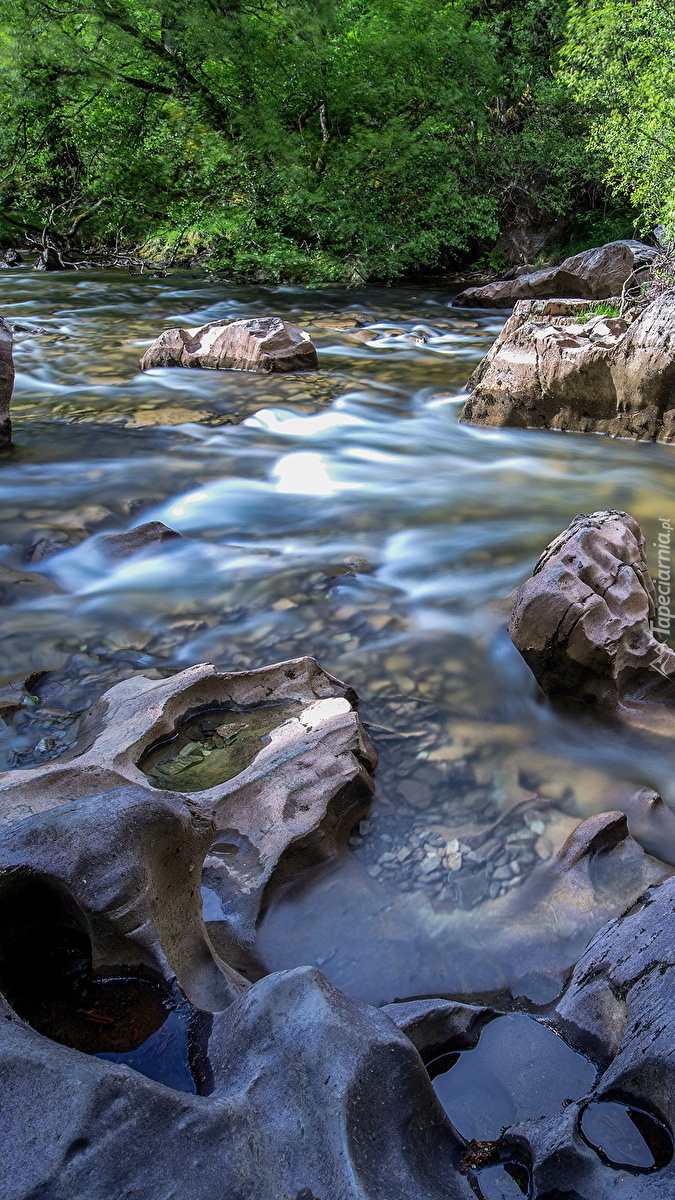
[619,60]
[295,139]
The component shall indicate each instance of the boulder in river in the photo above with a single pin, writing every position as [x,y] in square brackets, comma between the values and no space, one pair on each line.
[6,381]
[584,621]
[557,364]
[262,344]
[594,274]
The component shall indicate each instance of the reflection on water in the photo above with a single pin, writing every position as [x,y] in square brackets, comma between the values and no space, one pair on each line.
[348,515]
[625,1136]
[519,1071]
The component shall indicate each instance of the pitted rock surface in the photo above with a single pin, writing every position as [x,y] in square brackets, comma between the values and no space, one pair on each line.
[263,344]
[554,367]
[594,274]
[583,622]
[617,1010]
[286,810]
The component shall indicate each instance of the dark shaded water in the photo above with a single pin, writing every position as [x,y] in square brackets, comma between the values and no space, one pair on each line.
[479,781]
[519,1071]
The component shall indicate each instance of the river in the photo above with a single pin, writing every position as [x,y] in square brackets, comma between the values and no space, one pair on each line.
[344,514]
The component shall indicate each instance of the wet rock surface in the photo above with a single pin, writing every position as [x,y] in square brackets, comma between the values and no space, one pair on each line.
[584,621]
[294,1108]
[277,803]
[594,274]
[102,917]
[101,904]
[556,366]
[152,535]
[263,344]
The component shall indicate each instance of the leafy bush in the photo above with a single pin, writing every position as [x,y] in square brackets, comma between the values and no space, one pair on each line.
[305,140]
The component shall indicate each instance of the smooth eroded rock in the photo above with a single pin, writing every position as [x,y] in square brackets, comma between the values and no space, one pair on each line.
[280,802]
[618,1010]
[263,344]
[313,1096]
[556,367]
[594,274]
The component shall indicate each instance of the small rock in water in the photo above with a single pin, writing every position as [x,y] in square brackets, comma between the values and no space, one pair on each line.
[150,536]
[261,344]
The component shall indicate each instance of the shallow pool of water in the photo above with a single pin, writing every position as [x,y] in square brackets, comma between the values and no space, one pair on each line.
[345,514]
[212,747]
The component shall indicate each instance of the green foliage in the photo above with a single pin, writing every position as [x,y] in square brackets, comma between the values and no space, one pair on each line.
[300,140]
[604,309]
[619,60]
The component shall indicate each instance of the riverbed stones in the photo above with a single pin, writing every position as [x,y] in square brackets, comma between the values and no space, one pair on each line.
[594,274]
[583,622]
[6,381]
[555,366]
[261,344]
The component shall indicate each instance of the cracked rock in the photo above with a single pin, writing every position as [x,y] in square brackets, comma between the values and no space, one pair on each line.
[555,367]
[263,344]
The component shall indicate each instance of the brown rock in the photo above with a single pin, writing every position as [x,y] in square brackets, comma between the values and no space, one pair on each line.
[583,622]
[550,370]
[262,344]
[595,274]
[6,381]
[153,535]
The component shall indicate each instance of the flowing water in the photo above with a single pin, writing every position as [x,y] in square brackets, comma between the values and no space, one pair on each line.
[345,514]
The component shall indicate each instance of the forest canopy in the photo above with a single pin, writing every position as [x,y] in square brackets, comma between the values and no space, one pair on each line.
[334,140]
